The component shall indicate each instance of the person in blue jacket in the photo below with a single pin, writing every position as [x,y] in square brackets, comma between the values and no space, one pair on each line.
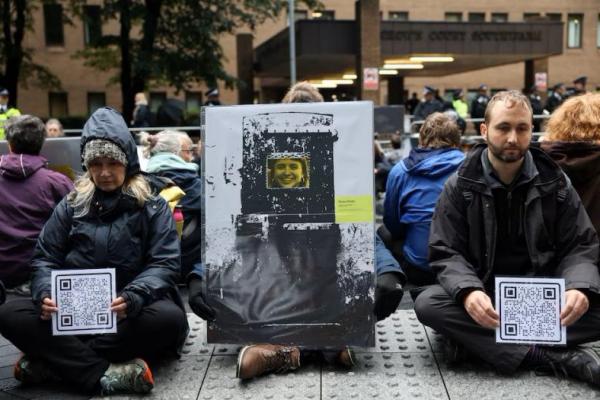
[413,188]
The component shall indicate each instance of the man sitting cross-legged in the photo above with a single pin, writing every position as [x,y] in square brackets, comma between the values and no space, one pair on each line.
[510,211]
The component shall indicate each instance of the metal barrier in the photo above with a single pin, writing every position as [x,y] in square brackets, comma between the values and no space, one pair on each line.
[414,124]
[77,132]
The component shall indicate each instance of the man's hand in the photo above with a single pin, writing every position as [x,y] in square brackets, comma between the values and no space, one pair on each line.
[576,304]
[48,308]
[197,301]
[119,305]
[480,308]
[388,294]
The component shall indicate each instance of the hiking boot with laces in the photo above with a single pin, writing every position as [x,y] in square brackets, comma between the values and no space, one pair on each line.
[260,359]
[130,377]
[33,371]
[581,363]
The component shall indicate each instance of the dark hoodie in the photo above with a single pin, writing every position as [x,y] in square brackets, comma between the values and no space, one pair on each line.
[581,163]
[29,191]
[139,242]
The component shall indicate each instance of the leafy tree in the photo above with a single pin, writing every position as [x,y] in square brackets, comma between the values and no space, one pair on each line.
[16,62]
[173,42]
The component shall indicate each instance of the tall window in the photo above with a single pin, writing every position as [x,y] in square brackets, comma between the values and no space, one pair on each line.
[53,25]
[328,15]
[499,17]
[598,32]
[95,101]
[476,17]
[398,15]
[574,30]
[92,25]
[58,104]
[453,16]
[156,100]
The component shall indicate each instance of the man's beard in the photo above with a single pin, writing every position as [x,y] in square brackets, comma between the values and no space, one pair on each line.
[507,158]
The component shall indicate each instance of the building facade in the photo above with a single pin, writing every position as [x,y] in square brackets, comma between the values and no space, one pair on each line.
[55,45]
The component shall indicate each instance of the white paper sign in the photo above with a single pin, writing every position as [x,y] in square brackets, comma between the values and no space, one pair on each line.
[529,310]
[83,298]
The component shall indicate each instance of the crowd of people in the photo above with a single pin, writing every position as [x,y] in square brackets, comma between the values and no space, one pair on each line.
[452,222]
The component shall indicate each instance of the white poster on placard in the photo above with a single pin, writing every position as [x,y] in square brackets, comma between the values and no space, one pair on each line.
[289,233]
[83,298]
[529,310]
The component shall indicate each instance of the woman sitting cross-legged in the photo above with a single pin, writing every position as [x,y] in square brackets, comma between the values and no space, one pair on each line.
[110,220]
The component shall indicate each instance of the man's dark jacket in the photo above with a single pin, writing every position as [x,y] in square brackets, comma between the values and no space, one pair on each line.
[139,242]
[463,231]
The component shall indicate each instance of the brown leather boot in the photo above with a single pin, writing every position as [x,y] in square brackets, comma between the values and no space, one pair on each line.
[345,358]
[260,359]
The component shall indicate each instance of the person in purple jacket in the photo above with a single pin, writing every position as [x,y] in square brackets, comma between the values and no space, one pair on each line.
[29,191]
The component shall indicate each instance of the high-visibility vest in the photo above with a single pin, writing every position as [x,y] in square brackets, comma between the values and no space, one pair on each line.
[11,112]
[461,108]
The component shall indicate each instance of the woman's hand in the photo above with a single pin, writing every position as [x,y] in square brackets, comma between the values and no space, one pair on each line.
[48,308]
[119,305]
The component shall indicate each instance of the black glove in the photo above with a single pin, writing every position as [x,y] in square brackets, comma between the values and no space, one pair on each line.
[135,303]
[197,300]
[388,294]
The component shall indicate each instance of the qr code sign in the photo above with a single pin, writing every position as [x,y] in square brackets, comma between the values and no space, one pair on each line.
[83,298]
[529,310]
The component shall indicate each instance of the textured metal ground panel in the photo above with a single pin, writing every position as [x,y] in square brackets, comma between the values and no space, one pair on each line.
[407,363]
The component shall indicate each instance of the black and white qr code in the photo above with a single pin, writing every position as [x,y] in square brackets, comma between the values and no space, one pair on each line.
[529,310]
[83,301]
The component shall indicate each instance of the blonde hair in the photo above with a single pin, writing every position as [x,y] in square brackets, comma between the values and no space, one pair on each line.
[81,198]
[577,119]
[511,98]
[303,92]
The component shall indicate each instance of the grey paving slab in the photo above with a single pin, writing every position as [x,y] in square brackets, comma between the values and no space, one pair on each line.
[195,343]
[386,376]
[436,340]
[400,332]
[221,383]
[474,381]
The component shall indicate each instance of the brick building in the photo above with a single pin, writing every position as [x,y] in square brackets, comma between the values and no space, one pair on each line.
[575,51]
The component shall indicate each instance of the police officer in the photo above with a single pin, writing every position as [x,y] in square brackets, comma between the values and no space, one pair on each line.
[6,111]
[479,104]
[429,105]
[212,96]
[556,98]
[459,104]
[536,106]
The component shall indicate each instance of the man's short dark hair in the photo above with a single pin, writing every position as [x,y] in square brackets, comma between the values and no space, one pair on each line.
[25,134]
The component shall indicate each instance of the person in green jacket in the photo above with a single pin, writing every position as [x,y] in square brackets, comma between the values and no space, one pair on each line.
[6,112]
[459,104]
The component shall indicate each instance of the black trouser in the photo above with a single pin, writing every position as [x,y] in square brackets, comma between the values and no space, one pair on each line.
[82,360]
[436,309]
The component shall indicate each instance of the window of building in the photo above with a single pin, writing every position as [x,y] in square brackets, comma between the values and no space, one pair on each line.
[598,32]
[554,16]
[398,15]
[499,17]
[531,16]
[157,99]
[95,100]
[193,102]
[574,30]
[300,14]
[453,17]
[53,25]
[92,25]
[328,15]
[58,104]
[476,17]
